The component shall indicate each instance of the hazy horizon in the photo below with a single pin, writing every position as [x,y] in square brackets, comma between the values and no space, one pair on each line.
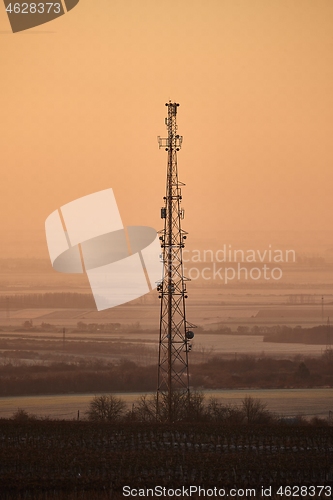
[83,104]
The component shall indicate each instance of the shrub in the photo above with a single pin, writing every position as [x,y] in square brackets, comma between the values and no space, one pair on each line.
[22,415]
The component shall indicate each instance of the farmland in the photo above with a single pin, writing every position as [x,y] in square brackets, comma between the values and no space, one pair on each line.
[53,457]
[289,402]
[66,349]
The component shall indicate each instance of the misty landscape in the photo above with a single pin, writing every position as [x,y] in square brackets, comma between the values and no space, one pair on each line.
[261,359]
[166,256]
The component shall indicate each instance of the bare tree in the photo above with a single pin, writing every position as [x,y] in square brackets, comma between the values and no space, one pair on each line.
[184,407]
[255,411]
[106,408]
[144,410]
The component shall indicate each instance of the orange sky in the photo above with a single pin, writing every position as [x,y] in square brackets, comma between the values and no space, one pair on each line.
[82,103]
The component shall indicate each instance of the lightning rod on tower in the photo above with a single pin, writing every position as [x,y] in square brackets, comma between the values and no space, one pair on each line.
[175,331]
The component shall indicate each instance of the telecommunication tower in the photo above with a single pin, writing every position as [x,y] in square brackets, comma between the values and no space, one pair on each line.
[328,337]
[175,334]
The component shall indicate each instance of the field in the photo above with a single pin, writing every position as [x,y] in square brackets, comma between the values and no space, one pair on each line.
[47,456]
[289,402]
[207,310]
[73,458]
[296,299]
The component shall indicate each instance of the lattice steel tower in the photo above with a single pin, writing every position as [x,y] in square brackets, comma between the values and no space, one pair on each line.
[175,334]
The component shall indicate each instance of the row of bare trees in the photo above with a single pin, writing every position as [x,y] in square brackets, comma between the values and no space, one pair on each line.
[190,408]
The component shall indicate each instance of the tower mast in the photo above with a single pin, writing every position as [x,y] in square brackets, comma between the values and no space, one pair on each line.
[174,342]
